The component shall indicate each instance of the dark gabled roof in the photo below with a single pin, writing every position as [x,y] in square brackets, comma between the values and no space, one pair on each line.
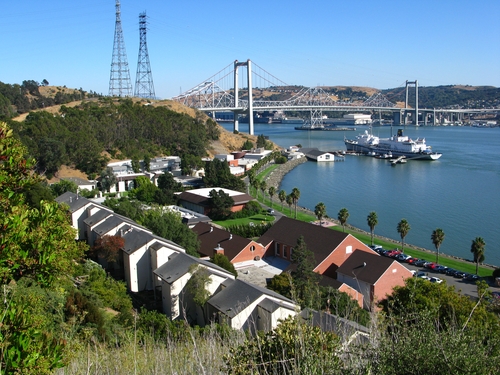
[365,266]
[327,281]
[202,200]
[135,239]
[320,240]
[236,295]
[110,223]
[210,237]
[316,153]
[97,217]
[178,265]
[269,305]
[74,201]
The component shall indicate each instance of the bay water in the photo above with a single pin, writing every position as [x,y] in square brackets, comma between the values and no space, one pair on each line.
[459,193]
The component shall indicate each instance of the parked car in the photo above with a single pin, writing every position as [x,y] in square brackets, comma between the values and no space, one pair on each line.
[471,277]
[450,272]
[412,260]
[459,274]
[420,262]
[440,269]
[270,211]
[436,280]
[495,295]
[375,247]
[430,265]
[422,275]
[402,257]
[393,253]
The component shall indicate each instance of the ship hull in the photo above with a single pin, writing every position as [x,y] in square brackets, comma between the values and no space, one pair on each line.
[353,146]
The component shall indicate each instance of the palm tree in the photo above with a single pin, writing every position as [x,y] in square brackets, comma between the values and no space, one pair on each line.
[343,215]
[437,238]
[282,197]
[477,248]
[295,197]
[256,186]
[372,220]
[289,201]
[263,187]
[271,192]
[403,229]
[320,212]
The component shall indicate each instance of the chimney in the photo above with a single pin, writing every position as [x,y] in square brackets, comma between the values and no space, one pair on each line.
[219,250]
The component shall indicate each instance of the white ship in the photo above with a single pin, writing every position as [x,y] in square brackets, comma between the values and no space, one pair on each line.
[397,145]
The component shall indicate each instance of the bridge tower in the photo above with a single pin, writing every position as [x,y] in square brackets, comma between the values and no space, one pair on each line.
[415,83]
[144,87]
[119,80]
[248,64]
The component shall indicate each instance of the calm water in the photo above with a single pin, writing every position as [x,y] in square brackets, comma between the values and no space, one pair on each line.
[459,193]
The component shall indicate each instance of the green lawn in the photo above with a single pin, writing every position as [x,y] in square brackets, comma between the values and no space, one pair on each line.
[256,219]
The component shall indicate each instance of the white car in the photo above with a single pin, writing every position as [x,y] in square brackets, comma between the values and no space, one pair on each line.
[436,280]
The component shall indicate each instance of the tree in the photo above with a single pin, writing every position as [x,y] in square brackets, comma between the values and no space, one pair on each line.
[197,287]
[62,187]
[282,197]
[343,215]
[403,228]
[372,221]
[289,202]
[320,212]
[295,194]
[271,192]
[108,179]
[477,248]
[223,261]
[147,162]
[304,278]
[261,141]
[136,166]
[168,225]
[263,187]
[437,238]
[108,248]
[220,204]
[256,186]
[145,190]
[166,181]
[247,145]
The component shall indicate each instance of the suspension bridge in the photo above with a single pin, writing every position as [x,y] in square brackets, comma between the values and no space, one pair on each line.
[230,91]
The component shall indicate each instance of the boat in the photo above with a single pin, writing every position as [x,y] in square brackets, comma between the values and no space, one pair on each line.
[396,145]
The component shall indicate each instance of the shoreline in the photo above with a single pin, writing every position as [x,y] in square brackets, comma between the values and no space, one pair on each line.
[276,176]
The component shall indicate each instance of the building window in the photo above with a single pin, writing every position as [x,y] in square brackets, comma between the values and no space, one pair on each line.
[252,248]
[284,251]
[348,249]
[278,250]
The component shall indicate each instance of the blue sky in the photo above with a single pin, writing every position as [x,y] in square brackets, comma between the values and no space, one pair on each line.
[378,44]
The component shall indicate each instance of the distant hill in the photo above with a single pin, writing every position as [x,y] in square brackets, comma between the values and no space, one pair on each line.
[453,96]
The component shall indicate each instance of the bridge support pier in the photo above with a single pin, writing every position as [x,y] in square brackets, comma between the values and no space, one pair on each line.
[248,64]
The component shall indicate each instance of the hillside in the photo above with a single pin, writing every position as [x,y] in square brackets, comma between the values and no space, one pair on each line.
[117,129]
